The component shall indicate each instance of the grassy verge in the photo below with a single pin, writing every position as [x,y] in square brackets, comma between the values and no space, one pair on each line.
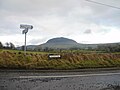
[17,60]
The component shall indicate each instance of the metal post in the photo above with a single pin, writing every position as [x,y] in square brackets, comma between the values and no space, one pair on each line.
[25,27]
[25,45]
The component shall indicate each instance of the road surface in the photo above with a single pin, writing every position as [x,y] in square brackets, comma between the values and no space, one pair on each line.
[91,80]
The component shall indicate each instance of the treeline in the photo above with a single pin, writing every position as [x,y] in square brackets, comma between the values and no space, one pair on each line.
[115,47]
[7,45]
[109,47]
[102,47]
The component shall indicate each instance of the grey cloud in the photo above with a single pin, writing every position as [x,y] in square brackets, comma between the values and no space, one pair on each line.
[56,17]
[35,6]
[34,41]
[37,41]
[88,31]
[103,14]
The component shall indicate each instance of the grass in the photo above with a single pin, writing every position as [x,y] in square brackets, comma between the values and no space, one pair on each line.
[28,52]
[13,59]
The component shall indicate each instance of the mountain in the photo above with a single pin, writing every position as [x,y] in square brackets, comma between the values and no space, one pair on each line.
[63,43]
[60,42]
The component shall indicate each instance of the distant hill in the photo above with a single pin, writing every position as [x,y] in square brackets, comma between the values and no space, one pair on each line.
[60,42]
[29,47]
[64,43]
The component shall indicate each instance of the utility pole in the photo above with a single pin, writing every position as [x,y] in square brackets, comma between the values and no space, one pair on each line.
[26,28]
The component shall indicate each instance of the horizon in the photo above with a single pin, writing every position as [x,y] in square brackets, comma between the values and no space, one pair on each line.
[65,38]
[79,20]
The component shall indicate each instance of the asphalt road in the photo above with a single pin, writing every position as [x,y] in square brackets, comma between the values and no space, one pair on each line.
[90,80]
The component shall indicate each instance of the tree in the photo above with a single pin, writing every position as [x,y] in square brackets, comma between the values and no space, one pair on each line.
[12,46]
[7,45]
[46,49]
[109,48]
[22,48]
[1,45]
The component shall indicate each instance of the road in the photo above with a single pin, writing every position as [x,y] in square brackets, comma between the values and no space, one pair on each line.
[90,80]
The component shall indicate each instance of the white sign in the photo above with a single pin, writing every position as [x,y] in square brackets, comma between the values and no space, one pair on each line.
[22,26]
[54,56]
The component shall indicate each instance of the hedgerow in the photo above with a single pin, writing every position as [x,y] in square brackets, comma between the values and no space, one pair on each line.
[17,60]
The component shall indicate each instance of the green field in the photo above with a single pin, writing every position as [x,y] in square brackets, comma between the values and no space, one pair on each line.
[14,59]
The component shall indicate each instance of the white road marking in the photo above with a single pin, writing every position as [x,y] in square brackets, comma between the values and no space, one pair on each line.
[62,76]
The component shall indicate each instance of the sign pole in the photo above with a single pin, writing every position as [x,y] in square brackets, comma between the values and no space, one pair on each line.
[25,44]
[25,27]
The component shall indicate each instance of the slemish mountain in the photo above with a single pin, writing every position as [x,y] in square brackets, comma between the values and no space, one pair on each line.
[63,43]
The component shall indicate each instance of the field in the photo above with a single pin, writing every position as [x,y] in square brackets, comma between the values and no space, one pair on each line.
[13,59]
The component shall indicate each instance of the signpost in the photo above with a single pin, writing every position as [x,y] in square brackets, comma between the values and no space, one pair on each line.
[54,56]
[26,28]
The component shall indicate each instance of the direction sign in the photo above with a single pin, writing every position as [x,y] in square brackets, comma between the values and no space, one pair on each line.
[22,26]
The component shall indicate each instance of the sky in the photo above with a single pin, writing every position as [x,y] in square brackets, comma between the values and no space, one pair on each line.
[80,20]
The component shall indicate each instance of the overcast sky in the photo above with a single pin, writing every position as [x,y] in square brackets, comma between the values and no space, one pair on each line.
[79,20]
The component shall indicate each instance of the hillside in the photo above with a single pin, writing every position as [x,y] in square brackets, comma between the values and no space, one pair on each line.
[64,43]
[60,42]
[29,47]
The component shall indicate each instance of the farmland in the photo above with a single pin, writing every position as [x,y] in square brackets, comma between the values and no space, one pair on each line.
[13,59]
